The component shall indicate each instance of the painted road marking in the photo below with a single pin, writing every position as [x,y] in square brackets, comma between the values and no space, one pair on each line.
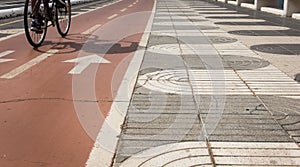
[15,21]
[112,16]
[95,27]
[130,6]
[123,10]
[28,65]
[5,54]
[84,62]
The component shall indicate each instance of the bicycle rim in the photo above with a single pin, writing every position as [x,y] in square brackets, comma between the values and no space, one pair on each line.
[35,39]
[63,19]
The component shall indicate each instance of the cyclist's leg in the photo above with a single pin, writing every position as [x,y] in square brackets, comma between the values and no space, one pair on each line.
[37,22]
[60,3]
[35,5]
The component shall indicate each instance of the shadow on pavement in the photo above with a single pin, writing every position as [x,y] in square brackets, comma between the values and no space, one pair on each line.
[285,49]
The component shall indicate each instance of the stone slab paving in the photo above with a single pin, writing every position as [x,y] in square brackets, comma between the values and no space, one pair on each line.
[206,97]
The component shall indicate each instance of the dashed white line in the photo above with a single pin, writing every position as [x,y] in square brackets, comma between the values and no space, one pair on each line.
[130,6]
[5,54]
[123,10]
[28,65]
[95,27]
[112,16]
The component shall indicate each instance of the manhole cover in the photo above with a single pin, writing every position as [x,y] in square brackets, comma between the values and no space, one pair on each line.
[245,63]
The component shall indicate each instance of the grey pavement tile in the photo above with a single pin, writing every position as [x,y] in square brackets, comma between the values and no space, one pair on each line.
[295,133]
[297,139]
[166,131]
[163,97]
[162,61]
[161,108]
[156,118]
[180,27]
[281,106]
[148,103]
[161,28]
[175,137]
[147,125]
[240,121]
[148,144]
[206,39]
[251,138]
[159,40]
[254,132]
[246,127]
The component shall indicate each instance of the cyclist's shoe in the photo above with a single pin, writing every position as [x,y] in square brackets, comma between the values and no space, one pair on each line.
[36,26]
[60,3]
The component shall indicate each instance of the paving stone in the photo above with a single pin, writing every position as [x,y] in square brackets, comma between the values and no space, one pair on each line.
[157,117]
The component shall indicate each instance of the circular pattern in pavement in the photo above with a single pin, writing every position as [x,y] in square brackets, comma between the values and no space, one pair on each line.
[245,63]
[172,49]
[283,49]
[168,81]
[219,40]
[176,154]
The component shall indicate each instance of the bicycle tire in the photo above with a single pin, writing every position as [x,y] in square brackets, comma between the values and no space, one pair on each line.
[35,39]
[63,19]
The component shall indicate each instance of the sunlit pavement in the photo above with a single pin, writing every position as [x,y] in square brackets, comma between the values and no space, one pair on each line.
[194,83]
[216,88]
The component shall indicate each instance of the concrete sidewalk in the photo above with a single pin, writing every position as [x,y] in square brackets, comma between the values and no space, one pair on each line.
[216,88]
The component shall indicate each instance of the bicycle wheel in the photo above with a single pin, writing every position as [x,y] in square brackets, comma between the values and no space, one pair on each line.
[63,18]
[34,38]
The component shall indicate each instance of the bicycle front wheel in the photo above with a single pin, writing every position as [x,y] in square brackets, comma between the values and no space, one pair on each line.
[33,37]
[63,18]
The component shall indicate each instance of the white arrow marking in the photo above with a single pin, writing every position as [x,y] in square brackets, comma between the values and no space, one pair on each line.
[4,54]
[84,62]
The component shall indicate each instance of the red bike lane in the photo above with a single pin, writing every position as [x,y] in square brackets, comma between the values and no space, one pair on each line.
[38,122]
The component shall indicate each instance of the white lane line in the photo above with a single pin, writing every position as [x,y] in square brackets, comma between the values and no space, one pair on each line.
[5,54]
[95,27]
[123,10]
[112,16]
[28,65]
[107,139]
[130,6]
